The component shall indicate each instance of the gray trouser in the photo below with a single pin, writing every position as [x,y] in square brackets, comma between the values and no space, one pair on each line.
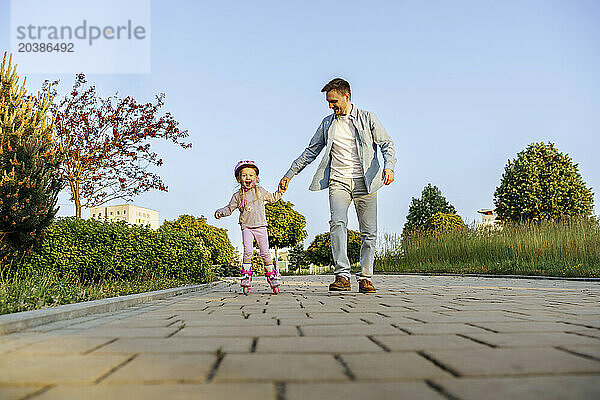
[341,193]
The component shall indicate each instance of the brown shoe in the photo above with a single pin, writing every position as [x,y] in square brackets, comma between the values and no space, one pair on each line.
[341,284]
[365,286]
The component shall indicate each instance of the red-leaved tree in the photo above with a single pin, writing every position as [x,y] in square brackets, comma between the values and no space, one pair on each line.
[107,144]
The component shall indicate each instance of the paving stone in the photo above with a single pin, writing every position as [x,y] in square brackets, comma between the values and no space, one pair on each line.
[63,345]
[553,387]
[350,330]
[513,361]
[422,342]
[361,390]
[438,328]
[246,391]
[279,367]
[15,341]
[237,331]
[530,339]
[17,393]
[540,316]
[391,366]
[316,344]
[225,321]
[335,320]
[177,345]
[525,326]
[38,369]
[584,331]
[590,351]
[137,323]
[123,332]
[168,368]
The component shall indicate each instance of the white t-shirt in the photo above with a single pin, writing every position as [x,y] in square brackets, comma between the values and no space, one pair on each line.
[344,151]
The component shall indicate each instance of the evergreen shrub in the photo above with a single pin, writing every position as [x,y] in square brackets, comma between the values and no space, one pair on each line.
[93,250]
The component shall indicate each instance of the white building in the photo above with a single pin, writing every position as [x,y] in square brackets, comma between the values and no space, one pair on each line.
[488,218]
[126,212]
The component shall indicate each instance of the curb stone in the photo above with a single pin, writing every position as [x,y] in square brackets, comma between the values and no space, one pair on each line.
[16,322]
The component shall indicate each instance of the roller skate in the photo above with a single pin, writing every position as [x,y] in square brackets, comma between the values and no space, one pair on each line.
[246,279]
[273,279]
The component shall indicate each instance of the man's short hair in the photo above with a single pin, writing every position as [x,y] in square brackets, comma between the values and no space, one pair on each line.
[337,84]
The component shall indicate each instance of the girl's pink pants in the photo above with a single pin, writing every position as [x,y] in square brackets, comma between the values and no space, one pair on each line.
[262,238]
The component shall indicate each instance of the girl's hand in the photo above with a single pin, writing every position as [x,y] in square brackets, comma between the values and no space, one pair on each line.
[217,215]
[283,184]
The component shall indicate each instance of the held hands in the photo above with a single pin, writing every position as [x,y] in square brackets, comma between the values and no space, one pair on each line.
[387,176]
[283,184]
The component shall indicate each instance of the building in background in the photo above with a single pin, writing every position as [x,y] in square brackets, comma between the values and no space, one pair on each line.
[126,212]
[488,218]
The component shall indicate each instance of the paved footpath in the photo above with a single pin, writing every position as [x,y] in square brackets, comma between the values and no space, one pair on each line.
[416,338]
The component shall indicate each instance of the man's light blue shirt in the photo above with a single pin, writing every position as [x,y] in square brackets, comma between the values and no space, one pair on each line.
[369,134]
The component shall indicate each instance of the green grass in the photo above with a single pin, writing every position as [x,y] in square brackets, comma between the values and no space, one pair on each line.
[26,291]
[565,248]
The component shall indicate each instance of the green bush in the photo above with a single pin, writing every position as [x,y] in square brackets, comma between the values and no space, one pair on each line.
[542,184]
[214,239]
[442,223]
[319,251]
[92,251]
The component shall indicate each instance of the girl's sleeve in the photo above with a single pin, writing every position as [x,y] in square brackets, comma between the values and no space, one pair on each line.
[229,208]
[270,197]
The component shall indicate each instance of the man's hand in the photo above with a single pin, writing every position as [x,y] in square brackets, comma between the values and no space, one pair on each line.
[388,176]
[283,184]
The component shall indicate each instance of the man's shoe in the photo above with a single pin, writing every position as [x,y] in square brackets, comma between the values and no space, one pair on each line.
[365,286]
[341,284]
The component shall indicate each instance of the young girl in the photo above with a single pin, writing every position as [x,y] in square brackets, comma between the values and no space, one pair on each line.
[250,199]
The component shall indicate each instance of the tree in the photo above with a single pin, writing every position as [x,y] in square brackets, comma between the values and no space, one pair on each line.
[286,225]
[107,142]
[297,257]
[319,251]
[542,183]
[420,210]
[214,239]
[29,174]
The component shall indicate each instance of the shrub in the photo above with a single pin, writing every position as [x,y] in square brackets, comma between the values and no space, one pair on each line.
[29,167]
[93,250]
[214,239]
[232,268]
[544,184]
[442,223]
[319,251]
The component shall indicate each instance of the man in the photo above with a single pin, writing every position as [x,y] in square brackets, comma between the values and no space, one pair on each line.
[350,169]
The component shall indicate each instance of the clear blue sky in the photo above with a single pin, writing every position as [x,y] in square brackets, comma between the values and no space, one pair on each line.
[461,86]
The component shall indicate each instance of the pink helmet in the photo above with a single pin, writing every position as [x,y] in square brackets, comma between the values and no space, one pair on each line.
[244,164]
